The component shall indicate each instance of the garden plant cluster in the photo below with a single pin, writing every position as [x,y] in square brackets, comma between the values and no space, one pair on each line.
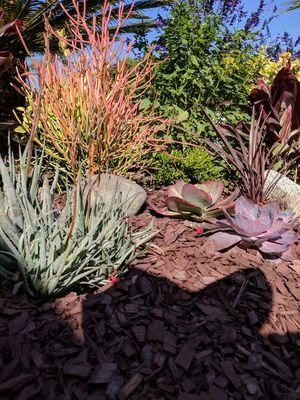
[143,251]
[187,110]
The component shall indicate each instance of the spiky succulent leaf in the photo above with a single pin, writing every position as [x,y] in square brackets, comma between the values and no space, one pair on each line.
[57,251]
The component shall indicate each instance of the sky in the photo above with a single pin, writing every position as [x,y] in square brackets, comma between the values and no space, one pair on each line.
[289,22]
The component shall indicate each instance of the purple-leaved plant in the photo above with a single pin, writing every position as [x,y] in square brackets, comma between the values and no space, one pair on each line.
[265,228]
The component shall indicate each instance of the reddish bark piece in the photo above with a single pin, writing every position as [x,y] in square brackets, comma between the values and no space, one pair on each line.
[187,396]
[127,348]
[204,396]
[229,371]
[217,393]
[16,383]
[11,311]
[140,333]
[131,308]
[114,385]
[175,371]
[143,266]
[156,331]
[228,335]
[252,317]
[18,324]
[185,357]
[147,354]
[144,285]
[294,289]
[213,312]
[8,370]
[169,343]
[279,339]
[29,392]
[278,363]
[188,385]
[77,369]
[157,312]
[130,387]
[166,388]
[122,319]
[103,373]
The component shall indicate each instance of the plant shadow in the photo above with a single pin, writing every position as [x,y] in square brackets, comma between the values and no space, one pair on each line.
[145,338]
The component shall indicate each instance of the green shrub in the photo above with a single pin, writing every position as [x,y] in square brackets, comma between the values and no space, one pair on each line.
[55,251]
[193,164]
[210,53]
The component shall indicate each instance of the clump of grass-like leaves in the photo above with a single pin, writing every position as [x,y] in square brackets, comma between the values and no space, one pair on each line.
[58,249]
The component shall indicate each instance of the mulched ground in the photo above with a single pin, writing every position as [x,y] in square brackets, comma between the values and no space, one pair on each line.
[184,324]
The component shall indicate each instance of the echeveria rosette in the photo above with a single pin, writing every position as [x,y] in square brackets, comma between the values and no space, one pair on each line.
[197,202]
[264,227]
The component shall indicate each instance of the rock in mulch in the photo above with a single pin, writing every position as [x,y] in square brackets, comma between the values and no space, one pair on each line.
[131,195]
[285,192]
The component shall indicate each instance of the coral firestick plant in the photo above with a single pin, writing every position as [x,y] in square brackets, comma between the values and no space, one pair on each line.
[197,202]
[91,108]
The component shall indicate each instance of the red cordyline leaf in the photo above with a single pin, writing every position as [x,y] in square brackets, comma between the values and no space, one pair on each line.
[284,92]
[11,27]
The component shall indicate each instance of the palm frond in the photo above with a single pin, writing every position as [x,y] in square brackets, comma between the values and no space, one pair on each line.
[32,13]
[291,6]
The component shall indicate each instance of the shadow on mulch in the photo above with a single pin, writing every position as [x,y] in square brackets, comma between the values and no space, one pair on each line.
[145,338]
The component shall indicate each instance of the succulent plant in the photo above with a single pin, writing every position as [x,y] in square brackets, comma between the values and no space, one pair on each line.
[197,202]
[264,227]
[56,249]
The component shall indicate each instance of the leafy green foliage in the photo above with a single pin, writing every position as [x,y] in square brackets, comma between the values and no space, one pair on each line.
[203,67]
[193,164]
[56,250]
[209,57]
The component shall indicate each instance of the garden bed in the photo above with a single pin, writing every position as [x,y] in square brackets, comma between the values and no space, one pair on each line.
[183,324]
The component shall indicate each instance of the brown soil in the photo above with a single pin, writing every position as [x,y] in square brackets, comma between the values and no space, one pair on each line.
[184,324]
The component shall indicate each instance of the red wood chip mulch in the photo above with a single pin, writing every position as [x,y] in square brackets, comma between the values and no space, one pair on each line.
[184,324]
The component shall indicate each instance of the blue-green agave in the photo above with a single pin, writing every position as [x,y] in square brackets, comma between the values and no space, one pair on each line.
[53,251]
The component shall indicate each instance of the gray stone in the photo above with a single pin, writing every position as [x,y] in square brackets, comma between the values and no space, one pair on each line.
[285,192]
[130,194]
